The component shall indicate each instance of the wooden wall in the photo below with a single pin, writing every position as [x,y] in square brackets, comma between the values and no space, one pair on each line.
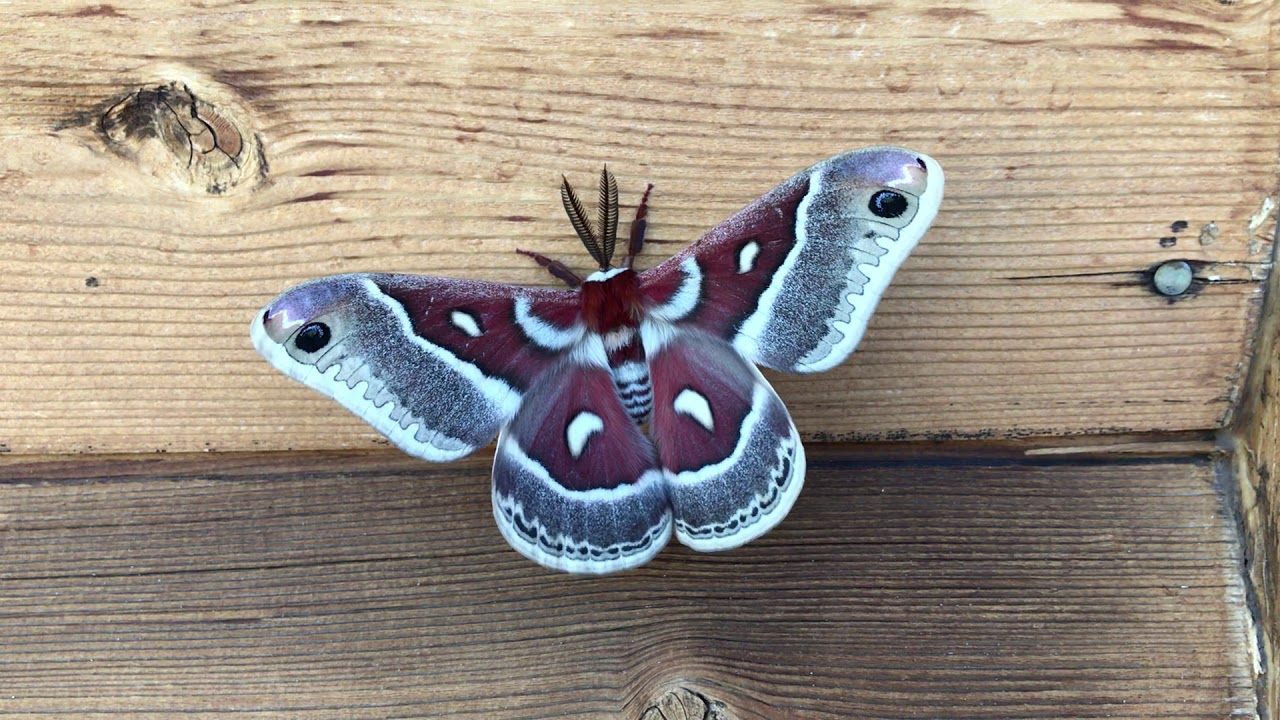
[167,168]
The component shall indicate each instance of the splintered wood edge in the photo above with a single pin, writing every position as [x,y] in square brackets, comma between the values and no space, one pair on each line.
[1255,440]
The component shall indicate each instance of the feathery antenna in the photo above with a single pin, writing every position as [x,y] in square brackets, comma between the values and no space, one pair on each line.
[608,212]
[578,216]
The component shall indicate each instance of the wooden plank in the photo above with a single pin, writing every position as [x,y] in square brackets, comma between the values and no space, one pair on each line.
[430,138]
[369,585]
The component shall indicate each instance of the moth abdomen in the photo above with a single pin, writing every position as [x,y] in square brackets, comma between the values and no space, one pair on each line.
[635,389]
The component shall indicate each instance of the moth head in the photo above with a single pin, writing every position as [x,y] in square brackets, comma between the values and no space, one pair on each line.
[307,321]
[888,185]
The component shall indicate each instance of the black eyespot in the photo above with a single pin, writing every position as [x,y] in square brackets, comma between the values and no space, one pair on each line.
[887,204]
[920,162]
[312,337]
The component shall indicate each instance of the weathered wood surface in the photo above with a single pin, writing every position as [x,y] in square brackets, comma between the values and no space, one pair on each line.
[1256,438]
[368,585]
[323,137]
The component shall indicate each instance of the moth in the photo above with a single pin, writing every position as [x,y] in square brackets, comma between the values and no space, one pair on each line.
[629,405]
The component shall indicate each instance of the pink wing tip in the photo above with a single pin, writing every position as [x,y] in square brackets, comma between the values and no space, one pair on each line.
[888,166]
[299,305]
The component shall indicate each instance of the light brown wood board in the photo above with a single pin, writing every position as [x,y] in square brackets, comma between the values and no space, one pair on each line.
[369,585]
[430,137]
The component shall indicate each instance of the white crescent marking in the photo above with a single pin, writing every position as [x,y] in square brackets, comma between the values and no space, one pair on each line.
[694,404]
[747,255]
[579,431]
[466,323]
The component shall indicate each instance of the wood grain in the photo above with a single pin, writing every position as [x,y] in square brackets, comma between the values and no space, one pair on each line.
[430,138]
[368,585]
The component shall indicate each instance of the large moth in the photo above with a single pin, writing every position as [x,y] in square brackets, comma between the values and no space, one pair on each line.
[629,405]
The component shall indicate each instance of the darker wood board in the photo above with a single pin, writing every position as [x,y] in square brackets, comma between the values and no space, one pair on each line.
[369,585]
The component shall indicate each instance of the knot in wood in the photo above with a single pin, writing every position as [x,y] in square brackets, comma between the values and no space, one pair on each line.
[203,143]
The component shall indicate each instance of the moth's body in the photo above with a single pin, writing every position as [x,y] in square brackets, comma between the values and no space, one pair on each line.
[612,308]
[568,378]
